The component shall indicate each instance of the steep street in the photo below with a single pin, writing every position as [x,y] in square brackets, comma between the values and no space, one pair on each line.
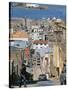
[42,83]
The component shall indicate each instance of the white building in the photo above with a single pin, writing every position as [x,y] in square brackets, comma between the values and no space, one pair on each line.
[46,64]
[41,62]
[37,33]
[35,36]
[37,44]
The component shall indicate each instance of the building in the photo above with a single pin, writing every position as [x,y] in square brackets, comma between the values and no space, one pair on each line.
[36,33]
[37,44]
[36,63]
[56,37]
[46,64]
[27,55]
[58,59]
[15,60]
[23,24]
[41,61]
[19,41]
[19,35]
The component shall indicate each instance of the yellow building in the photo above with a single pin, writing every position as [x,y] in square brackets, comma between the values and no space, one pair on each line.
[58,58]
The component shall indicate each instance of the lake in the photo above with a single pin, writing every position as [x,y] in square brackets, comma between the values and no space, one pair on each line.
[52,11]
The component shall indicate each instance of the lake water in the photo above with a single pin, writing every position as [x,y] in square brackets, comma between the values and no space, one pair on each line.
[52,11]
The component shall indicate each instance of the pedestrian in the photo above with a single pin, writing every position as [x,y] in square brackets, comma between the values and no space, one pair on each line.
[23,75]
[47,76]
[63,78]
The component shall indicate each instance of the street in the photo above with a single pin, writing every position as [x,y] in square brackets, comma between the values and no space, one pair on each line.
[38,46]
[48,83]
[42,83]
[45,83]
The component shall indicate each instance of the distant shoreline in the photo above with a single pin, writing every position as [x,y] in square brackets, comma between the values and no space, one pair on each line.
[33,13]
[36,8]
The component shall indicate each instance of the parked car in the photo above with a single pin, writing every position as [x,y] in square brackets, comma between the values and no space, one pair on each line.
[42,77]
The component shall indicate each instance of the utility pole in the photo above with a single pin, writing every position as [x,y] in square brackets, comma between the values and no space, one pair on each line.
[25,24]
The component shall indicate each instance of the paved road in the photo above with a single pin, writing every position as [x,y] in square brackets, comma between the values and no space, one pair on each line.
[42,83]
[45,83]
[48,83]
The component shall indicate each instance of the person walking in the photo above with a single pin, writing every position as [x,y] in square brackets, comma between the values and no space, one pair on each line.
[23,75]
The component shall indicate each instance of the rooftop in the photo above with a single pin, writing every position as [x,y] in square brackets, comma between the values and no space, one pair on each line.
[19,34]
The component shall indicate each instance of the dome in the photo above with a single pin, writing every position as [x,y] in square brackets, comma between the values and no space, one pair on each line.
[48,19]
[54,18]
[58,20]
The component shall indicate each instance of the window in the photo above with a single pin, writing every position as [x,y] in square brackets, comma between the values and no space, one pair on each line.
[34,60]
[46,58]
[45,37]
[40,47]
[44,43]
[36,43]
[32,30]
[38,64]
[34,64]
[38,58]
[38,61]
[40,43]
